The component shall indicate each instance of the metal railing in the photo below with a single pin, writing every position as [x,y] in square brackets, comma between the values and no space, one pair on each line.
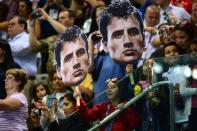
[136,98]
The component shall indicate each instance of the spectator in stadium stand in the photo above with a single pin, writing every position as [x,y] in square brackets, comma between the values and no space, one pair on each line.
[125,121]
[13,109]
[167,8]
[20,46]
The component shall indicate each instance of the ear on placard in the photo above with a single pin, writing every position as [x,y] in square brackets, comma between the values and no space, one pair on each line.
[58,72]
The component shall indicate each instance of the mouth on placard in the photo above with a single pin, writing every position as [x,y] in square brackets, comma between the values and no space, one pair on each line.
[77,73]
[129,52]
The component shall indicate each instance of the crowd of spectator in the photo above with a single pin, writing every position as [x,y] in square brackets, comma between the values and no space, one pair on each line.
[66,64]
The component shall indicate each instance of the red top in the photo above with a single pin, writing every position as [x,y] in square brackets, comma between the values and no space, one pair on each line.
[125,121]
[187,4]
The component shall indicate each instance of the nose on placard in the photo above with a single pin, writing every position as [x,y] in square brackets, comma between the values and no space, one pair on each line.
[76,66]
[126,37]
[128,45]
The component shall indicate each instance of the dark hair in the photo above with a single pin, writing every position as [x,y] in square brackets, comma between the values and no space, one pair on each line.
[35,87]
[69,96]
[193,42]
[186,27]
[28,4]
[71,13]
[22,21]
[53,71]
[172,43]
[3,11]
[120,9]
[8,58]
[70,35]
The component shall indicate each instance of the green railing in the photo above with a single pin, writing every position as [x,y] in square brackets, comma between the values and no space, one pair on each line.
[136,98]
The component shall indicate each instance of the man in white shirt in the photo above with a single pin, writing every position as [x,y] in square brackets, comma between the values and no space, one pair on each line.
[20,46]
[151,21]
[167,8]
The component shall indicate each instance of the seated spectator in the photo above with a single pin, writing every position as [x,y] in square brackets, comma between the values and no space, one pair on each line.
[13,109]
[125,121]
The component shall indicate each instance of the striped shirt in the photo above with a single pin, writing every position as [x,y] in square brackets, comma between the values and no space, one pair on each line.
[15,120]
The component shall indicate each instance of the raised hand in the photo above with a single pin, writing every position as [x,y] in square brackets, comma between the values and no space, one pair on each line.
[77,95]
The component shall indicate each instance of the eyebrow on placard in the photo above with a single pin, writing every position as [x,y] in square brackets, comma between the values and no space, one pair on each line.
[117,33]
[80,52]
[133,31]
[68,57]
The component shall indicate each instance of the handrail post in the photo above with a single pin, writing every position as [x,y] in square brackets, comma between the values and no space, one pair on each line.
[133,100]
[171,89]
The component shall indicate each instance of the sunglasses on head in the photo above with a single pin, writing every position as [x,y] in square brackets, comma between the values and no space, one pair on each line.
[112,80]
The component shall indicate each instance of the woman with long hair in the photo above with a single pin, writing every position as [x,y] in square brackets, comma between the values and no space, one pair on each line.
[6,62]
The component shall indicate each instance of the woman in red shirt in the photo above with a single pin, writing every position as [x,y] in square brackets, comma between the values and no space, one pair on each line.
[125,121]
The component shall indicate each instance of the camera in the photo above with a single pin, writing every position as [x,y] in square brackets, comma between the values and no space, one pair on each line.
[35,14]
[37,112]
[163,32]
[95,37]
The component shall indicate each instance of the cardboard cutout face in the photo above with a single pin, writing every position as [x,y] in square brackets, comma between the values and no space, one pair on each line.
[124,40]
[122,29]
[74,62]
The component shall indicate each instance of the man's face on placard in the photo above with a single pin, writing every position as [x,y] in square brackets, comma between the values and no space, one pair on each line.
[124,39]
[74,62]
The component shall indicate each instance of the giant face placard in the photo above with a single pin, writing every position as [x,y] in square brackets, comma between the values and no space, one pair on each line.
[122,30]
[124,40]
[72,56]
